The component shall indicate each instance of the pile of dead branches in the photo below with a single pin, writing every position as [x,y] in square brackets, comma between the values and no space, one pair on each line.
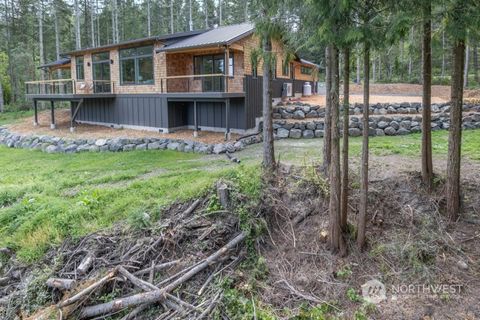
[170,270]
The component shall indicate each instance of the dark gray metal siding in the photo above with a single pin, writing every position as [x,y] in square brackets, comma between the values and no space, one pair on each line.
[253,99]
[137,110]
[210,114]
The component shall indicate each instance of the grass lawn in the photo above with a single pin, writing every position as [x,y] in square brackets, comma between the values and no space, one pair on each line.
[10,117]
[47,197]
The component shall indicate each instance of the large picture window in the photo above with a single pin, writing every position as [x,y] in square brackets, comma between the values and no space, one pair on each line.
[101,66]
[79,68]
[213,64]
[136,65]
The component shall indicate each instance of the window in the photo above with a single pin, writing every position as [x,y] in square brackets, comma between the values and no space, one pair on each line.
[306,70]
[230,65]
[285,69]
[209,65]
[101,66]
[79,68]
[136,65]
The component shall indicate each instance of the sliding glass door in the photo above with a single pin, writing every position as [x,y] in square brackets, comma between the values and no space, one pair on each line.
[208,66]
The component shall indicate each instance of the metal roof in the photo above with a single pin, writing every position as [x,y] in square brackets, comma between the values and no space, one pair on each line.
[167,37]
[309,62]
[57,63]
[218,36]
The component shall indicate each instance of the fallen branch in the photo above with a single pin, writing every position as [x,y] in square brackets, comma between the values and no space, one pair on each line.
[88,290]
[160,294]
[61,284]
[4,281]
[157,267]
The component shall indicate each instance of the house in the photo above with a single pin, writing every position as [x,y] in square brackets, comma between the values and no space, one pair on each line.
[201,80]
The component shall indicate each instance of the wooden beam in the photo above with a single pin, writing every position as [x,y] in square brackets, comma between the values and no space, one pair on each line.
[226,66]
[74,115]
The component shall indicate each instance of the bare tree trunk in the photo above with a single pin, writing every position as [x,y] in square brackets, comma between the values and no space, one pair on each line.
[57,37]
[455,132]
[427,165]
[465,69]
[362,214]
[220,12]
[359,80]
[92,23]
[374,70]
[410,58]
[268,148]
[327,148]
[98,25]
[379,77]
[475,64]
[149,17]
[346,113]
[205,8]
[190,21]
[78,41]
[337,243]
[40,39]
[246,11]
[443,54]
[2,102]
[171,17]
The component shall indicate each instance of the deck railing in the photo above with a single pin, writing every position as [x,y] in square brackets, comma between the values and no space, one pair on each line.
[218,82]
[68,86]
[60,86]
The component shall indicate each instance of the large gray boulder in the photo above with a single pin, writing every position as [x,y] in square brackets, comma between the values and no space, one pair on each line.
[389,131]
[354,132]
[295,133]
[298,114]
[282,133]
[308,134]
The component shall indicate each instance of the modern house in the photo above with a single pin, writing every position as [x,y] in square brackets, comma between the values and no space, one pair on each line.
[201,80]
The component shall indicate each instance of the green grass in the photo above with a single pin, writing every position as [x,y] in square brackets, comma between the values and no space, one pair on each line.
[14,116]
[47,197]
[410,145]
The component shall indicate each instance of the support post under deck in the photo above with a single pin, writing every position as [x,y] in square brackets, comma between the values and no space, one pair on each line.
[52,112]
[195,119]
[35,108]
[227,116]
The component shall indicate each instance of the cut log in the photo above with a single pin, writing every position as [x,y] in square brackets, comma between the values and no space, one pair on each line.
[6,251]
[223,194]
[86,264]
[88,290]
[61,284]
[192,208]
[160,294]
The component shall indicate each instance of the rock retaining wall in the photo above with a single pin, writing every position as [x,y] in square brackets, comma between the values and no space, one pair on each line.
[52,144]
[379,125]
[306,111]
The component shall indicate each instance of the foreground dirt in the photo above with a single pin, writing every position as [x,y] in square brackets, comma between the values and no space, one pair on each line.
[85,131]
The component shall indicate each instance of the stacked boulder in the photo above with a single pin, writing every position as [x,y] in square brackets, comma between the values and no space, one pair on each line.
[51,144]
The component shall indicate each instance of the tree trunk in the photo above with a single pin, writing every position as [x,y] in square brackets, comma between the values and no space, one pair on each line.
[190,21]
[359,80]
[455,132]
[40,39]
[57,38]
[220,12]
[2,102]
[327,153]
[475,64]
[374,70]
[98,25]
[149,19]
[443,54]
[465,70]
[171,17]
[337,243]
[346,113]
[379,77]
[205,8]
[268,148]
[92,23]
[362,214]
[427,166]
[410,58]
[246,11]
[78,42]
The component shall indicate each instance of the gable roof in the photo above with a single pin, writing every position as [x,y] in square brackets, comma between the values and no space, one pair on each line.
[167,38]
[57,63]
[214,37]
